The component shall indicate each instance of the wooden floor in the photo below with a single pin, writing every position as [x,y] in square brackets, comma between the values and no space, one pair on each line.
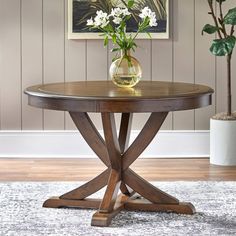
[85,169]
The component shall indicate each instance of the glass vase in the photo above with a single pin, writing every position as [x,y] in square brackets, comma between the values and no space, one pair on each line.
[125,71]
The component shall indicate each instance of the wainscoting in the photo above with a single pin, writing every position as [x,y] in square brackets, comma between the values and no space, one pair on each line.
[70,144]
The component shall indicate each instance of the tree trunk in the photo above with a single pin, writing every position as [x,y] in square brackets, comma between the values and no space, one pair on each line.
[229,98]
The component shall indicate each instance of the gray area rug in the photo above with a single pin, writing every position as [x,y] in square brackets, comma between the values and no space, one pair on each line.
[21,212]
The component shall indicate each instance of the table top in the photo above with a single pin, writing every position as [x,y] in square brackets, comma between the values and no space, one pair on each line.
[104,96]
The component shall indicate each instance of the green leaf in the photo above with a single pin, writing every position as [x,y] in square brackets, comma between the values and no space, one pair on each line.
[128,17]
[114,38]
[115,49]
[209,29]
[134,45]
[223,47]
[105,41]
[130,3]
[149,35]
[109,28]
[230,18]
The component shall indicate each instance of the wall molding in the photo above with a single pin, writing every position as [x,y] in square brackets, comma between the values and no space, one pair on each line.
[70,144]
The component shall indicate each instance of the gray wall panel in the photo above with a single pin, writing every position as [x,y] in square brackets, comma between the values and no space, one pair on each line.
[34,49]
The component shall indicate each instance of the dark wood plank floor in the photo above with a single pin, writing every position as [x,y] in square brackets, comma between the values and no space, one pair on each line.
[85,169]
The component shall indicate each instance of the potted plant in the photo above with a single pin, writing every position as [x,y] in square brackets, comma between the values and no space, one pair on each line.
[223,125]
[125,71]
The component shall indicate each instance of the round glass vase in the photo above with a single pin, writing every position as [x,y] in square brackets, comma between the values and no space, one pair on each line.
[125,71]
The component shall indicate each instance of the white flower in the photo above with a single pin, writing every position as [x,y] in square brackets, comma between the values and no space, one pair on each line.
[101,19]
[97,21]
[146,12]
[116,12]
[152,20]
[101,14]
[119,12]
[117,20]
[90,22]
[104,24]
[125,12]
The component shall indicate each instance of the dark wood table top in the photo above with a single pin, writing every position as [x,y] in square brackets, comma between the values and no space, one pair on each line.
[104,96]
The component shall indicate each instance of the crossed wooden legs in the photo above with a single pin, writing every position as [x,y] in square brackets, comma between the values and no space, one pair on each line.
[117,156]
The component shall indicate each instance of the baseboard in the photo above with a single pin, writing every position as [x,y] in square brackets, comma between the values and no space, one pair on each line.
[70,144]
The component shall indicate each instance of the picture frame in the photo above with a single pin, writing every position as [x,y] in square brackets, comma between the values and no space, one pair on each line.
[77,18]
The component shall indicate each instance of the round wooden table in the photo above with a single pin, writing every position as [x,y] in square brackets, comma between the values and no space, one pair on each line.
[157,98]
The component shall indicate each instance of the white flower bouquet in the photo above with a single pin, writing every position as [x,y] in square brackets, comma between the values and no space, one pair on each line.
[114,25]
[125,71]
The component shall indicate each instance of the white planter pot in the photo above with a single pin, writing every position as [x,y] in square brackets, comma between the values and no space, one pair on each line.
[223,142]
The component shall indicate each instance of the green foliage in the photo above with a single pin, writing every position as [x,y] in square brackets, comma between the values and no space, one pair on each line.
[230,18]
[225,44]
[130,3]
[117,32]
[209,29]
[223,47]
[106,40]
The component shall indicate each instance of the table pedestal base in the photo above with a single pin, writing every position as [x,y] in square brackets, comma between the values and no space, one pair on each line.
[136,193]
[103,219]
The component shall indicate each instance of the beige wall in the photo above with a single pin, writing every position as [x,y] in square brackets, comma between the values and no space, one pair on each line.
[34,49]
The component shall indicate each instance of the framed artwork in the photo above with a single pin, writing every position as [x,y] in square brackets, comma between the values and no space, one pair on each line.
[79,11]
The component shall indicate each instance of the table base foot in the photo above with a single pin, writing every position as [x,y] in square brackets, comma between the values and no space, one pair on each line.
[57,202]
[144,205]
[104,219]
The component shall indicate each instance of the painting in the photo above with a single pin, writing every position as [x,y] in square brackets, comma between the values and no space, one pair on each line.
[79,11]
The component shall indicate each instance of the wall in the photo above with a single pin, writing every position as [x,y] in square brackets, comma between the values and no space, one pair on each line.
[34,49]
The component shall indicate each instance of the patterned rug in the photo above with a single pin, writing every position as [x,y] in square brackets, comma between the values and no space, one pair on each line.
[21,212]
